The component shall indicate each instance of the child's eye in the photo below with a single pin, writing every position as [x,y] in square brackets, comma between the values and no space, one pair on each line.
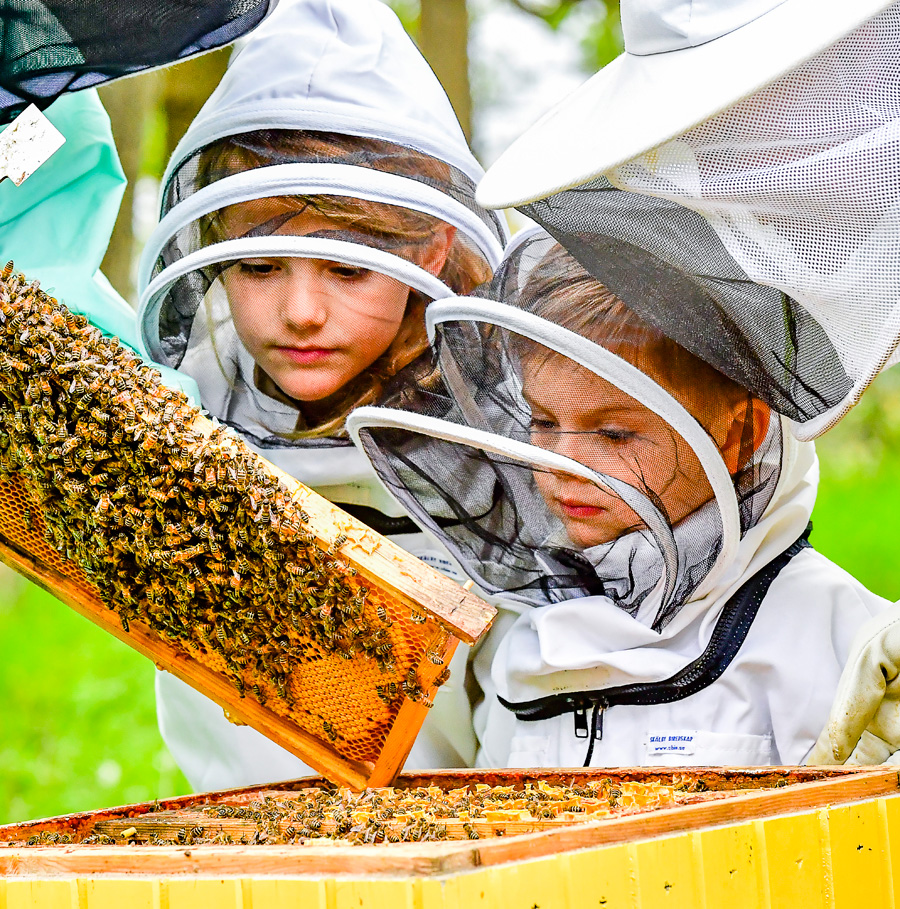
[256,267]
[348,272]
[617,435]
[538,424]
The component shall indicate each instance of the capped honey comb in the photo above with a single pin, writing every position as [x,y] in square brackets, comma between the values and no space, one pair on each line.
[388,815]
[120,498]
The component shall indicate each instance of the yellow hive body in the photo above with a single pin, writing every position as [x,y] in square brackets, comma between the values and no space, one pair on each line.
[122,500]
[756,838]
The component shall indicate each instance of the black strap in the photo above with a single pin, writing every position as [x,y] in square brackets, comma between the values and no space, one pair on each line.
[727,637]
[387,525]
[378,521]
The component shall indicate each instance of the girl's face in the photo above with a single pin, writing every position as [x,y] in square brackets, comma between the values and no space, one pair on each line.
[576,413]
[311,325]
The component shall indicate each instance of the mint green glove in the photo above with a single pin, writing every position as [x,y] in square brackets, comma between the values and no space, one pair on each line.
[57,224]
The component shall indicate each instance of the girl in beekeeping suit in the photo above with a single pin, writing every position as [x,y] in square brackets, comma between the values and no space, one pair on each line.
[319,201]
[645,514]
[778,122]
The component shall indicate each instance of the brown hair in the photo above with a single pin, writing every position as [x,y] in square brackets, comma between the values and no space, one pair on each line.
[402,230]
[560,290]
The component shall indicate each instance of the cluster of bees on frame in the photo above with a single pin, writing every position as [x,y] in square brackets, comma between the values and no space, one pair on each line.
[185,532]
[388,815]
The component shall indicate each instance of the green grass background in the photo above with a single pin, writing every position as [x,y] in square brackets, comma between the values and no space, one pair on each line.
[78,726]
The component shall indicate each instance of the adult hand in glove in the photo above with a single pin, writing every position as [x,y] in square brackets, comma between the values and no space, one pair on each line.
[864,726]
[56,226]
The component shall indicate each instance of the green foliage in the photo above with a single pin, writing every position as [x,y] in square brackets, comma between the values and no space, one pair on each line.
[79,725]
[602,42]
[408,12]
[859,494]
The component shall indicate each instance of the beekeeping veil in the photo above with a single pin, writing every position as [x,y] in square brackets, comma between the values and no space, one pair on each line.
[579,452]
[329,138]
[788,151]
[58,46]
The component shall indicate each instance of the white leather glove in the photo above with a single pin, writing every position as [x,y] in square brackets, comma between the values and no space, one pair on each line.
[864,725]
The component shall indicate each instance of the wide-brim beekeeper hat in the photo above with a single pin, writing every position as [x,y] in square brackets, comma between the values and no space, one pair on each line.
[684,62]
[780,129]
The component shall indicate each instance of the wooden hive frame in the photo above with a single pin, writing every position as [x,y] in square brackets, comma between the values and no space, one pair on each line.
[734,795]
[427,614]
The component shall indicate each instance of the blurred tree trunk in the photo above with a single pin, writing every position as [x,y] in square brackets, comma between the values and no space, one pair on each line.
[130,104]
[443,40]
[186,86]
[166,99]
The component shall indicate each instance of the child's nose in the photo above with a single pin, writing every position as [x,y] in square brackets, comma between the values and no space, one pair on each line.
[305,300]
[569,444]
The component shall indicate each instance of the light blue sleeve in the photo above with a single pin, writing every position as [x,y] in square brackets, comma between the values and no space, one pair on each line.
[56,226]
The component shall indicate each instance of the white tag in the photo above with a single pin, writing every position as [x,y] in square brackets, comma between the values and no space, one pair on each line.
[677,742]
[26,143]
[441,563]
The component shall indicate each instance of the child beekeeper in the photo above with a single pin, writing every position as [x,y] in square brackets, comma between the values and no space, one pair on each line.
[642,516]
[779,123]
[318,203]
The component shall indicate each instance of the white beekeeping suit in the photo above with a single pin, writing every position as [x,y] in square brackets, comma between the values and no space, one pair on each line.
[779,122]
[645,516]
[328,103]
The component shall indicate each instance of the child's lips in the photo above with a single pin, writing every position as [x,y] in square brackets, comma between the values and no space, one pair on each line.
[306,355]
[580,509]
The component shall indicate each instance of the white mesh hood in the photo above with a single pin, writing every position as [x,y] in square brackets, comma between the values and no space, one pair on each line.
[329,140]
[333,65]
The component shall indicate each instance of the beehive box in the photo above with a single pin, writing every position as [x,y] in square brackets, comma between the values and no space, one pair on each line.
[803,838]
[119,498]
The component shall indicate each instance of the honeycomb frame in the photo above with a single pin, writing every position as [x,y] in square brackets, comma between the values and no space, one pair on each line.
[330,709]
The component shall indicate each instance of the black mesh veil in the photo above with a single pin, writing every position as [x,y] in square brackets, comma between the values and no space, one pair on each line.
[671,268]
[577,450]
[56,46]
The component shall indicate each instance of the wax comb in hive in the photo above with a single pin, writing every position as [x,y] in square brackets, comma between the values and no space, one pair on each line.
[119,498]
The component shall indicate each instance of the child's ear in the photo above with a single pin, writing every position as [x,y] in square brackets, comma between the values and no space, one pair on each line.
[759,415]
[438,248]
